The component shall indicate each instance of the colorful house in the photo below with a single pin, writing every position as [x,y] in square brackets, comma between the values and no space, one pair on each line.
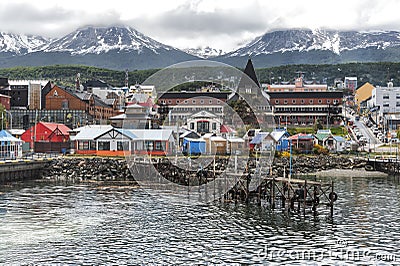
[47,137]
[280,136]
[10,146]
[104,140]
[325,138]
[303,143]
[263,141]
[157,142]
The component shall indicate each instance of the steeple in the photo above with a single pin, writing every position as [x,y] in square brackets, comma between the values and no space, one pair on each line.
[251,73]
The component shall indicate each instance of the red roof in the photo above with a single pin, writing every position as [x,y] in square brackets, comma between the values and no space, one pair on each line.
[53,126]
[226,129]
[301,136]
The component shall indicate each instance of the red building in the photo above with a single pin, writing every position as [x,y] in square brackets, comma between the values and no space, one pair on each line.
[47,137]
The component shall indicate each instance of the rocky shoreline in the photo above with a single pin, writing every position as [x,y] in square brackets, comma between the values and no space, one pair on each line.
[80,169]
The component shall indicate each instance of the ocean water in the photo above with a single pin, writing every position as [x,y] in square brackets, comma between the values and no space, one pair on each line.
[92,224]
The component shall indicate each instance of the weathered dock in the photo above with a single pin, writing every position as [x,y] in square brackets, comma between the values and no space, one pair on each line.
[218,183]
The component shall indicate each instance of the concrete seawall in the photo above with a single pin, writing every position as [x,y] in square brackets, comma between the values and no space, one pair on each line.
[19,170]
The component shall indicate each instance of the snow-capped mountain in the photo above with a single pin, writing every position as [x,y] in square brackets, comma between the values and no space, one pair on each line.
[308,40]
[97,40]
[121,47]
[20,44]
[116,47]
[206,52]
[317,47]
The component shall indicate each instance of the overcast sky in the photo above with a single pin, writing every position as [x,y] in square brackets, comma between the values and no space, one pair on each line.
[222,24]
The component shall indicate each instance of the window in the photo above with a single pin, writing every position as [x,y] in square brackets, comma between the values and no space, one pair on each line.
[214,126]
[193,101]
[311,101]
[201,101]
[386,97]
[319,101]
[64,104]
[293,101]
[160,146]
[191,126]
[328,101]
[210,101]
[285,101]
[276,101]
[122,145]
[302,101]
[104,146]
[248,90]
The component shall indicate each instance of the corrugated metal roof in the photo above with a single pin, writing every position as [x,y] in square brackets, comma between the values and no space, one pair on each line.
[91,132]
[152,134]
[259,137]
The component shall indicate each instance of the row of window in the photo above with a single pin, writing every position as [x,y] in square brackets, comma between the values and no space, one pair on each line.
[193,101]
[302,101]
[88,145]
[307,109]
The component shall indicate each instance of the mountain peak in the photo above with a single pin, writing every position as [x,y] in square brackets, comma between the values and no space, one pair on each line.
[97,40]
[305,40]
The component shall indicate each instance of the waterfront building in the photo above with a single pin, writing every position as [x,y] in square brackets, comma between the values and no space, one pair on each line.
[303,143]
[305,108]
[104,140]
[10,146]
[47,137]
[157,142]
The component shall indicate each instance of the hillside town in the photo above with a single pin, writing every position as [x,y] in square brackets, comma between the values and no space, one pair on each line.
[95,118]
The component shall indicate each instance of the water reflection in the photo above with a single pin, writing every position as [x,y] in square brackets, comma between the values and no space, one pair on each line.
[89,224]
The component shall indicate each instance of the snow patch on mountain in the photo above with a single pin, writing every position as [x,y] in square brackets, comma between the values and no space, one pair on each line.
[97,40]
[323,40]
[204,52]
[20,44]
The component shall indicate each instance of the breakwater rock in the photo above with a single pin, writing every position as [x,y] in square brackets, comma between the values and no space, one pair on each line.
[103,169]
[87,169]
[312,164]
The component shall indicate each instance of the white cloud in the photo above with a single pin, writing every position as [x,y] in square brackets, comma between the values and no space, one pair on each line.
[183,23]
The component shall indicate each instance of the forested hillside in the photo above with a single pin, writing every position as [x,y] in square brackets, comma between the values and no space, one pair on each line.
[64,75]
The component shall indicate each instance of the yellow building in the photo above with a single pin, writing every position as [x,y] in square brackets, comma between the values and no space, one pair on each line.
[363,93]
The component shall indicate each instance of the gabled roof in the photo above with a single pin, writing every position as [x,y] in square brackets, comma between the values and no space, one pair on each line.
[226,129]
[202,114]
[301,136]
[56,126]
[277,134]
[259,137]
[323,134]
[91,132]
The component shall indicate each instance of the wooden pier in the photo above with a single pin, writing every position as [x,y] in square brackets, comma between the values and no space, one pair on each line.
[293,195]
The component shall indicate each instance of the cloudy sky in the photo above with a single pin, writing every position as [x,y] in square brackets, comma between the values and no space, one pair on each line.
[222,24]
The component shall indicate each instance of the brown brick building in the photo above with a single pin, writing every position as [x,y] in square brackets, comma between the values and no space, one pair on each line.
[304,108]
[63,99]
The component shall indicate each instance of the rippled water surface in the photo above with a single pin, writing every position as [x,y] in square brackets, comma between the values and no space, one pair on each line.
[122,225]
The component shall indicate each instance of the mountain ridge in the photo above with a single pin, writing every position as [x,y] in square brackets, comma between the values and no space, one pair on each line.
[123,47]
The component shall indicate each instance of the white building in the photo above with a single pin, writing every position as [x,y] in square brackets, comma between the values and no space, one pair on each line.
[387,99]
